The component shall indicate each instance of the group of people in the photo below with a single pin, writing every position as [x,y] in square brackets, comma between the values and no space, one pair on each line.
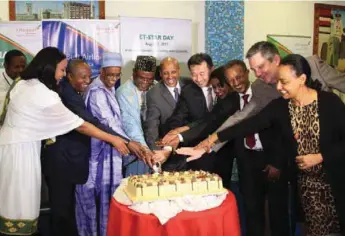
[286,135]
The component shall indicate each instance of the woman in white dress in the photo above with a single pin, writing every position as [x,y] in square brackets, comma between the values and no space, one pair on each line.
[34,113]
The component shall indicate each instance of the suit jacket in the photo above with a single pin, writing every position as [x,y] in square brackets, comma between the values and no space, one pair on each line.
[221,111]
[130,111]
[332,139]
[329,77]
[160,106]
[190,107]
[68,157]
[262,95]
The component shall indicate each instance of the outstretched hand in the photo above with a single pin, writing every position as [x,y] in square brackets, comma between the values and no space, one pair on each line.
[193,153]
[172,135]
[168,138]
[120,145]
[160,156]
[207,143]
[148,157]
[136,149]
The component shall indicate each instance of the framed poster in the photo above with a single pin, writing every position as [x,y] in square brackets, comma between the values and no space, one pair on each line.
[287,44]
[31,10]
[329,34]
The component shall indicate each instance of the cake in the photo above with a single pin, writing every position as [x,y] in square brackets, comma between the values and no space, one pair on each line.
[151,187]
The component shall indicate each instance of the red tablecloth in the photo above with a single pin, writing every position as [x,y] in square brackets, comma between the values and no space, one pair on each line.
[222,220]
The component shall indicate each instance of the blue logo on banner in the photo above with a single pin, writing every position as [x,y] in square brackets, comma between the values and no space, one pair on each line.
[74,43]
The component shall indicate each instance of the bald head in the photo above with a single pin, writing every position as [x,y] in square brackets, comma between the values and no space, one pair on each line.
[170,71]
[168,60]
[79,74]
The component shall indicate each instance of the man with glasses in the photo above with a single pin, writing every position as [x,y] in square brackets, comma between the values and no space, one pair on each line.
[131,97]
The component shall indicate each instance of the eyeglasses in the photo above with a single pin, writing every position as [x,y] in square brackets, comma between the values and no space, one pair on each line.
[113,76]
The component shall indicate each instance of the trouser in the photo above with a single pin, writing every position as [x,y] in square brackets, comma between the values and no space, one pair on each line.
[62,204]
[278,206]
[252,186]
[223,164]
[255,188]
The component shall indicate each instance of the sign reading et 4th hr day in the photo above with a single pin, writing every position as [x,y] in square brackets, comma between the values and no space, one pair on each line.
[155,37]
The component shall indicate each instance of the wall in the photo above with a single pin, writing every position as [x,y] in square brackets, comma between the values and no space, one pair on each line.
[260,17]
[283,17]
[273,17]
[224,30]
[192,10]
[3,10]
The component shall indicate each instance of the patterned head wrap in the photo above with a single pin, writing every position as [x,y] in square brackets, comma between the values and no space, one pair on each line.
[145,63]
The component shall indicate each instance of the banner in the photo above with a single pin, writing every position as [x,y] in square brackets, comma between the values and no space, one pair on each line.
[155,37]
[87,39]
[23,36]
[287,44]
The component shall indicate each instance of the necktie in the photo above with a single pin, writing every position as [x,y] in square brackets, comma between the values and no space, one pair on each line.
[143,107]
[176,94]
[209,99]
[250,139]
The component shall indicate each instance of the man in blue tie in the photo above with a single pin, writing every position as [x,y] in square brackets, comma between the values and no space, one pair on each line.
[161,100]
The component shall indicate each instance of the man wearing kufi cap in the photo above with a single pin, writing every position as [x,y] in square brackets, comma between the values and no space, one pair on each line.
[105,165]
[131,97]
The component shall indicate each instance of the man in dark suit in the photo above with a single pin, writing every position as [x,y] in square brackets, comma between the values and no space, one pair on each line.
[200,130]
[66,161]
[195,102]
[264,61]
[251,159]
[196,99]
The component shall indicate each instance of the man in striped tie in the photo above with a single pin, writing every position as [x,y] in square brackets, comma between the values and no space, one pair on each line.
[161,101]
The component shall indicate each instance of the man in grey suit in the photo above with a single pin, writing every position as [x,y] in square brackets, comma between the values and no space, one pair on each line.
[161,101]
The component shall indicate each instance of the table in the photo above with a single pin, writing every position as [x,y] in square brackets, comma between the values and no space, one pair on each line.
[222,220]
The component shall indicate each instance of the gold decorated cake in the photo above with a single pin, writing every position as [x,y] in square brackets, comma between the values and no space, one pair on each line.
[150,187]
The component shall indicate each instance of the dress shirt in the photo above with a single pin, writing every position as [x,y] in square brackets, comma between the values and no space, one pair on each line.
[205,92]
[258,145]
[171,89]
[139,94]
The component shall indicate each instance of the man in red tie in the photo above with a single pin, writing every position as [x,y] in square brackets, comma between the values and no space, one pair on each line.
[256,167]
[250,158]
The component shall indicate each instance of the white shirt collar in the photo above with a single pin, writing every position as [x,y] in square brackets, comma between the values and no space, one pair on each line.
[171,89]
[205,89]
[249,92]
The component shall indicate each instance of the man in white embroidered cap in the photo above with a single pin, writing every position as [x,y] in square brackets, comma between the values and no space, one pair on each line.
[131,97]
